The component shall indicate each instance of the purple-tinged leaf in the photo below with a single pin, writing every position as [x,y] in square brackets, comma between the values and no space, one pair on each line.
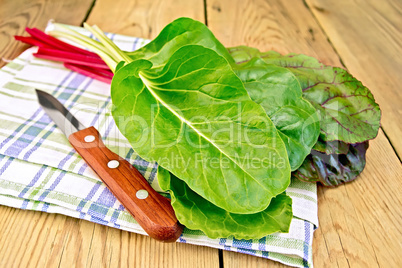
[333,169]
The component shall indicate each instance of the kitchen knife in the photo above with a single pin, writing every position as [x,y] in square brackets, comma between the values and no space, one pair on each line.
[151,210]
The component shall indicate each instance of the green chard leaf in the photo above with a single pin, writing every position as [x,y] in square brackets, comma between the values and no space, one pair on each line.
[331,147]
[181,32]
[278,91]
[195,118]
[333,169]
[347,109]
[196,213]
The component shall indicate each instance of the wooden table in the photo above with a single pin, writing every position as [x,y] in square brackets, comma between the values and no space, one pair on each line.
[360,223]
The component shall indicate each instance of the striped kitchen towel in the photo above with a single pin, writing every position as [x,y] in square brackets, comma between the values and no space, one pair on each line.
[39,170]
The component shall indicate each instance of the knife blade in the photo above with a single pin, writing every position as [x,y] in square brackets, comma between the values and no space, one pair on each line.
[151,210]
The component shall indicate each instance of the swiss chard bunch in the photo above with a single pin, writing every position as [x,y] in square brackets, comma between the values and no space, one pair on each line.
[229,127]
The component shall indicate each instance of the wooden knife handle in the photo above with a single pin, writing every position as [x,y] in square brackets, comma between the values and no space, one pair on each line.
[151,210]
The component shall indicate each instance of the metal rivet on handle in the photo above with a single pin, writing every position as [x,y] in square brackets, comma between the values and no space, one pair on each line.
[113,164]
[89,138]
[141,194]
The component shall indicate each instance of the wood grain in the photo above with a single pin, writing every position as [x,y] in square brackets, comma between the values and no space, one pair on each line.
[142,18]
[17,14]
[37,239]
[283,26]
[360,221]
[368,37]
[154,213]
[233,260]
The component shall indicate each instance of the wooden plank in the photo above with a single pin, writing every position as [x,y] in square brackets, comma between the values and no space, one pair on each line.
[17,14]
[358,226]
[143,18]
[283,26]
[37,239]
[236,260]
[367,35]
[360,221]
